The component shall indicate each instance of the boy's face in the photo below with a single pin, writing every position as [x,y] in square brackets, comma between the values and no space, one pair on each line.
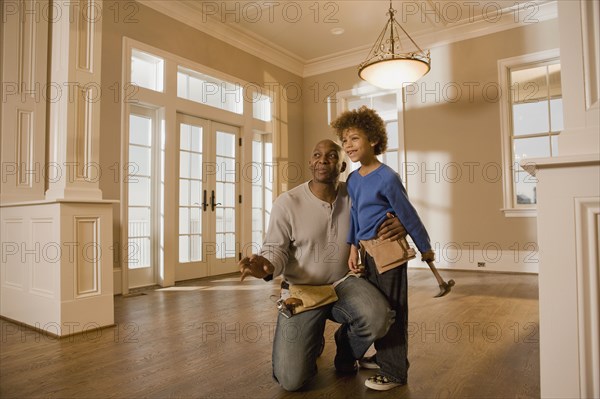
[326,162]
[357,146]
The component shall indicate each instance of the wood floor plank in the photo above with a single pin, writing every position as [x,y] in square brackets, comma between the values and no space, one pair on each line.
[481,341]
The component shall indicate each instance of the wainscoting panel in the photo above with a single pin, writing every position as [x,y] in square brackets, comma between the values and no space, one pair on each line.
[87,262]
[13,262]
[25,140]
[45,263]
[587,225]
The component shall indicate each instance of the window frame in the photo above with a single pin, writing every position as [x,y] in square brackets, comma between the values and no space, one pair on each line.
[504,68]
[167,106]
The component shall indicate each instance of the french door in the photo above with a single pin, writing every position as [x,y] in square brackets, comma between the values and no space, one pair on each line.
[207,206]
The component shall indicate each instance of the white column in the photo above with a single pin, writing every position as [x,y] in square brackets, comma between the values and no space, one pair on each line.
[74,128]
[23,106]
[568,218]
[580,69]
[56,272]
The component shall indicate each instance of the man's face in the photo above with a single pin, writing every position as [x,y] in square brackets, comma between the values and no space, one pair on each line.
[326,163]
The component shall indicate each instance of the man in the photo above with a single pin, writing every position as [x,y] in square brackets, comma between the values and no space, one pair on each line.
[306,243]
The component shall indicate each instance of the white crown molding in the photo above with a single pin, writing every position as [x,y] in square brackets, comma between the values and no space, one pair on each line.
[278,56]
[236,37]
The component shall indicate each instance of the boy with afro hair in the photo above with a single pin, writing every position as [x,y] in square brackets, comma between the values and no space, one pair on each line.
[376,189]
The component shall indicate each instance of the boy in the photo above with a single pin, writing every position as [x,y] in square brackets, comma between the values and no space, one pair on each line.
[376,189]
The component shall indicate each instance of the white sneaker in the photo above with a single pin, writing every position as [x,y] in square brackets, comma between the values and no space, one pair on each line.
[381,383]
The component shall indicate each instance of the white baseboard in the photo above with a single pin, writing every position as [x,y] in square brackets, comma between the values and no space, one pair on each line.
[117,273]
[489,260]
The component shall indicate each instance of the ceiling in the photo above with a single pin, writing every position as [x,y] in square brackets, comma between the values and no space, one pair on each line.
[297,34]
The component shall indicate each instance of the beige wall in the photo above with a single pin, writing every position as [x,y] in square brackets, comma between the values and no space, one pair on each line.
[155,29]
[449,132]
[444,133]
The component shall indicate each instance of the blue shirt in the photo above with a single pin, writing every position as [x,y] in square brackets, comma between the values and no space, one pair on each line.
[375,194]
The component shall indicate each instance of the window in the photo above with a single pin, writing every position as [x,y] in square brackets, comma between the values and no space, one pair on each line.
[144,213]
[532,120]
[262,186]
[261,108]
[208,90]
[147,70]
[139,200]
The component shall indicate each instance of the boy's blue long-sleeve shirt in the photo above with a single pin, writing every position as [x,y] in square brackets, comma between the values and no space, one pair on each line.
[375,194]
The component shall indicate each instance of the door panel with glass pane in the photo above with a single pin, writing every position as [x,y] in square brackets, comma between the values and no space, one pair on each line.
[207,193]
[224,204]
[190,189]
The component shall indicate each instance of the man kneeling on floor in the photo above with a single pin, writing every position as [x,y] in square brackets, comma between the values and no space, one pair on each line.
[306,243]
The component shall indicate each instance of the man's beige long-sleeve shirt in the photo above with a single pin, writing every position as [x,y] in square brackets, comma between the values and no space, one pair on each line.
[306,238]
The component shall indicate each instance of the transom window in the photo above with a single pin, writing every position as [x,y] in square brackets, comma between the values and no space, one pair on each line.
[208,90]
[147,70]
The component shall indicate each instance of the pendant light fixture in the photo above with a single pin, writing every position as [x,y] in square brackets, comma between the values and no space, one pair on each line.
[389,68]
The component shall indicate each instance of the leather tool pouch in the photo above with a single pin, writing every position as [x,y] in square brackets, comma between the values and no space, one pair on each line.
[305,297]
[388,254]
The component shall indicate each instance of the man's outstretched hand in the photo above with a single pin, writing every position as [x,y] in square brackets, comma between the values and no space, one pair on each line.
[255,266]
[391,229]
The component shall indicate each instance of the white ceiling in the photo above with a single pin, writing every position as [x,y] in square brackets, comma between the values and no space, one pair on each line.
[296,34]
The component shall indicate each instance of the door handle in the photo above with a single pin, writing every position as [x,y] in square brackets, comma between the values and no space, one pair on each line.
[212,200]
[204,203]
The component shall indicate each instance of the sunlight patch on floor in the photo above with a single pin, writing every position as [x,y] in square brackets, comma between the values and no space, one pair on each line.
[239,287]
[190,288]
[237,279]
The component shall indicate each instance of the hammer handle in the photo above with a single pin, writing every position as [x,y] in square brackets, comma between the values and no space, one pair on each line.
[439,278]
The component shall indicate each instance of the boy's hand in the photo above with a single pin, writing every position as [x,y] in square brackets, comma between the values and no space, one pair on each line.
[256,266]
[353,260]
[428,256]
[391,229]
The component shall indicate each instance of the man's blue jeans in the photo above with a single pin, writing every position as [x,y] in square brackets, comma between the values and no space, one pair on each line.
[365,316]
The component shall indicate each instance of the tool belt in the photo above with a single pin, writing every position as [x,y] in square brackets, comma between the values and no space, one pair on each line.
[303,297]
[388,254]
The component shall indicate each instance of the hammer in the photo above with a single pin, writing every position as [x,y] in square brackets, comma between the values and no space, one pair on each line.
[445,287]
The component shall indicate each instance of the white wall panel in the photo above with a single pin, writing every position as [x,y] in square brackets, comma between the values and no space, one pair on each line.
[25,139]
[87,260]
[587,224]
[85,34]
[13,264]
[44,265]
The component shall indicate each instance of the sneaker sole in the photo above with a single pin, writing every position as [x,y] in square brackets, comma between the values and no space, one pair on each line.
[368,365]
[382,387]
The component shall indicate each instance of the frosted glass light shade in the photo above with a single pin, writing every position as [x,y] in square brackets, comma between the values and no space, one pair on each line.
[394,73]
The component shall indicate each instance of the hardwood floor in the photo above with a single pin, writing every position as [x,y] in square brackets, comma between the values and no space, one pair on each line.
[215,341]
